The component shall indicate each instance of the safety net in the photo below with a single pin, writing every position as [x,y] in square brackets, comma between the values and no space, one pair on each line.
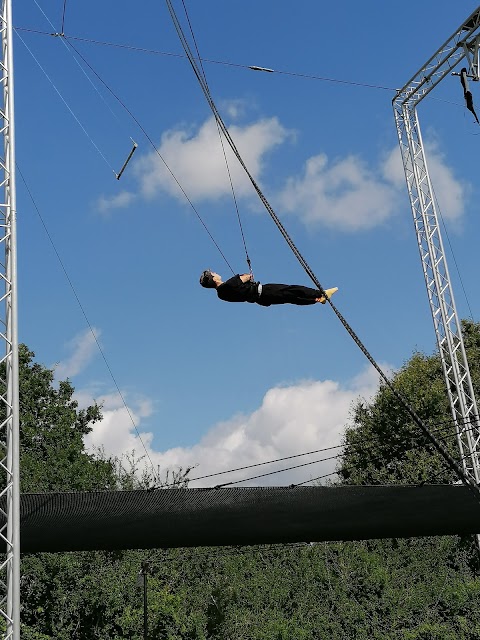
[167,518]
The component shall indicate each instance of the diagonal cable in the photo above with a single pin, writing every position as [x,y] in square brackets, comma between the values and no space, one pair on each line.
[204,75]
[155,148]
[436,443]
[66,104]
[84,313]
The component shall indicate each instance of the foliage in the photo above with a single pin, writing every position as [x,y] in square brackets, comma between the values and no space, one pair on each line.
[412,589]
[385,590]
[77,595]
[51,434]
[384,445]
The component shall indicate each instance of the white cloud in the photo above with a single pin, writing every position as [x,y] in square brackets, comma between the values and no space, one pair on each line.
[292,419]
[121,200]
[349,195]
[346,195]
[116,433]
[197,160]
[83,347]
[234,108]
[393,168]
[451,192]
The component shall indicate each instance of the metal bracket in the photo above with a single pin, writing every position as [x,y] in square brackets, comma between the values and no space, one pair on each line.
[472,54]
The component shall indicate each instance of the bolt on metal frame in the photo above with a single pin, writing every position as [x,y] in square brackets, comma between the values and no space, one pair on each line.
[462,45]
[9,396]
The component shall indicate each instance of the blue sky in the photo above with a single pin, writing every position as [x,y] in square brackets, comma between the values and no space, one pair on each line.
[209,383]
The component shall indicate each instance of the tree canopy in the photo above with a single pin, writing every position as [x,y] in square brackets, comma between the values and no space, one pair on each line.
[412,589]
[52,427]
[384,446]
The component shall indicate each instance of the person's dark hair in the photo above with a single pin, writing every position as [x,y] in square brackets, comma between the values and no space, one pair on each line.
[207,281]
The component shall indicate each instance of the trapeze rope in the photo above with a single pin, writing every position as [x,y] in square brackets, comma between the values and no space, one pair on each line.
[148,137]
[207,88]
[436,443]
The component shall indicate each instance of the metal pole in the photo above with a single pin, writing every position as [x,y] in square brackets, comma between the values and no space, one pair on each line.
[10,464]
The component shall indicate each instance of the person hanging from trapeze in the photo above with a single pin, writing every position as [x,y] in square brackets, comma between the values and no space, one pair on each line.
[242,288]
[467,94]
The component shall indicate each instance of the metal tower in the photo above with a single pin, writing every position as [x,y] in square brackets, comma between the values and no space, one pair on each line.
[9,403]
[463,45]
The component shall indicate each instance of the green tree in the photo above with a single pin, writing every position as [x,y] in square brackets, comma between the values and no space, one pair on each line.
[52,427]
[384,446]
[412,589]
[382,590]
[78,596]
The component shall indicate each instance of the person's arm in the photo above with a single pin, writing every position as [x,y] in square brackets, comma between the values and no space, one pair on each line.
[246,277]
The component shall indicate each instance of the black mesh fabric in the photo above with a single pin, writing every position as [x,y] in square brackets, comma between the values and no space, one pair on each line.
[241,516]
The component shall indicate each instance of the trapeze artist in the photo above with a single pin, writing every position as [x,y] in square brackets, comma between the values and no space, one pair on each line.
[242,288]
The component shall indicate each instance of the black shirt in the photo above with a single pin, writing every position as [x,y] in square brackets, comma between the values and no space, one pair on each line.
[234,290]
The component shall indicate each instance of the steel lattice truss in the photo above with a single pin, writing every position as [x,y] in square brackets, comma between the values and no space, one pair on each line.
[464,43]
[9,405]
[462,46]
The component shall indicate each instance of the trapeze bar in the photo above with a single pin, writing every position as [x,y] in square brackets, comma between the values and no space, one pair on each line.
[253,68]
[119,174]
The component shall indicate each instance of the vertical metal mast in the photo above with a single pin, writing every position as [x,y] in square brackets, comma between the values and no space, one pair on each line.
[463,45]
[9,402]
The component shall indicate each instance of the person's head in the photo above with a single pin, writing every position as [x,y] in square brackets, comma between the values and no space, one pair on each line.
[210,279]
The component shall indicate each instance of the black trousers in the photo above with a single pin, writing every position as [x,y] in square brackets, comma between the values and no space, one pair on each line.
[287,294]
